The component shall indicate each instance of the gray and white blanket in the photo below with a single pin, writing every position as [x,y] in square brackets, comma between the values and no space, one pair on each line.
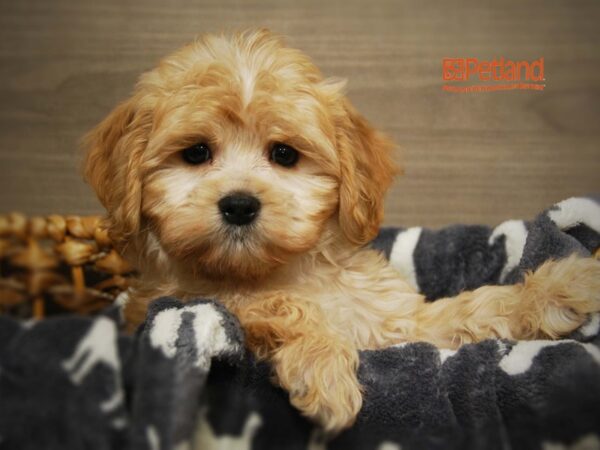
[185,379]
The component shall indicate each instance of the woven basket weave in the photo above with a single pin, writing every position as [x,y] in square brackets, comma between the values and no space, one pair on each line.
[56,264]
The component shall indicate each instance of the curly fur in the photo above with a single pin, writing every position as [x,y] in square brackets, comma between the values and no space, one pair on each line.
[307,292]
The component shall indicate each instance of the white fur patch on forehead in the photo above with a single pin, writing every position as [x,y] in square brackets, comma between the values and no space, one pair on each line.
[247,78]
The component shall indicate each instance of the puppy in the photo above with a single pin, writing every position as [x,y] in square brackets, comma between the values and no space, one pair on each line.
[236,171]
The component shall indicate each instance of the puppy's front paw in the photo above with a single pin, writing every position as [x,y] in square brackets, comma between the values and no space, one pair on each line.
[570,290]
[333,405]
[323,386]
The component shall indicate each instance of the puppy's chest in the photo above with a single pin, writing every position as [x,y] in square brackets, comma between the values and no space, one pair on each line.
[354,314]
[358,302]
[357,315]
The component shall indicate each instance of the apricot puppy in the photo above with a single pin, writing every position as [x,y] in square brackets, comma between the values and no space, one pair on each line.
[236,171]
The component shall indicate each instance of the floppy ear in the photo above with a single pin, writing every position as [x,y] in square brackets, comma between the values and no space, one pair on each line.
[367,170]
[111,167]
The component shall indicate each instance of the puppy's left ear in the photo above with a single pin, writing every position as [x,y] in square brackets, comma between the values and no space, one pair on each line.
[367,170]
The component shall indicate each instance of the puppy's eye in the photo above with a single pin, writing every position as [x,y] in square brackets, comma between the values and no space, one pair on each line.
[197,154]
[284,155]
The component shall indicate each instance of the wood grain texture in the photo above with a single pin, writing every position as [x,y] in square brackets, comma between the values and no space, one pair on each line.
[475,158]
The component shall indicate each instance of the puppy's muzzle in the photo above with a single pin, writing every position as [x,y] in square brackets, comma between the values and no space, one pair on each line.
[239,208]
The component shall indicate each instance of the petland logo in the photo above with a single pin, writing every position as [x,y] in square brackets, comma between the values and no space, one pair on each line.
[498,75]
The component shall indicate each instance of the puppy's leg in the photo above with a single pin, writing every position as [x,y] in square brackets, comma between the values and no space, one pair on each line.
[551,302]
[317,367]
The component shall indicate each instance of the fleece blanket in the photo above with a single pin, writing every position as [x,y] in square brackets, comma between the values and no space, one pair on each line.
[186,381]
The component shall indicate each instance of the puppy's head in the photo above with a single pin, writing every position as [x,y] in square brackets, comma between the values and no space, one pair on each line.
[233,155]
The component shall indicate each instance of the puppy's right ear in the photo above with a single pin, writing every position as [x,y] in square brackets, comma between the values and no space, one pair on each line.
[111,167]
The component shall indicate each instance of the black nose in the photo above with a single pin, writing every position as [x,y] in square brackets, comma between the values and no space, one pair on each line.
[239,209]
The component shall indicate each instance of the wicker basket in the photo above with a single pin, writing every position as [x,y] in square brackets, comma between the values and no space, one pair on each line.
[57,264]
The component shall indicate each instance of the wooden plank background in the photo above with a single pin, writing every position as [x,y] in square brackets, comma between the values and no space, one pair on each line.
[475,158]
